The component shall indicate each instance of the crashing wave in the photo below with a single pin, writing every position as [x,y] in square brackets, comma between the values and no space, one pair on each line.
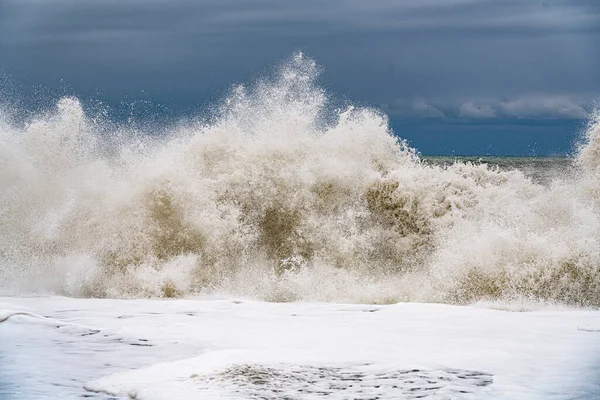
[284,197]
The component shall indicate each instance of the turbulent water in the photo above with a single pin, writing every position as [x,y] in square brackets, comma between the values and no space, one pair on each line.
[279,195]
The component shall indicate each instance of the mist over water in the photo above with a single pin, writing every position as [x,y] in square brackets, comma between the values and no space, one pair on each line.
[281,196]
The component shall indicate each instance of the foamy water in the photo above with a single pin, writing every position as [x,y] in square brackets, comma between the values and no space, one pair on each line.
[281,197]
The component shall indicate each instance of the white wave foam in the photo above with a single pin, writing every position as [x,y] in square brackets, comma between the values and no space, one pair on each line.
[283,197]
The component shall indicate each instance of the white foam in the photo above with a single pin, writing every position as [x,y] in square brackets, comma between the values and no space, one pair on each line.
[241,350]
[283,197]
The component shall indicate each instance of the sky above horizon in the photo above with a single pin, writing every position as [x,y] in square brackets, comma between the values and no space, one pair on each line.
[455,76]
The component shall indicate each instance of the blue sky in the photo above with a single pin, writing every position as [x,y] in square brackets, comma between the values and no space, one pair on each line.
[455,76]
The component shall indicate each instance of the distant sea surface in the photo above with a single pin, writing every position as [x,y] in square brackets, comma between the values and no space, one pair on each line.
[542,170]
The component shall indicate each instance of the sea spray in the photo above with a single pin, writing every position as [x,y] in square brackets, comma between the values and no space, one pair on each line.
[282,197]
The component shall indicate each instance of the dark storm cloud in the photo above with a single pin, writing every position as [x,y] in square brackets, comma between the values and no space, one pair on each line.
[511,16]
[53,18]
[429,58]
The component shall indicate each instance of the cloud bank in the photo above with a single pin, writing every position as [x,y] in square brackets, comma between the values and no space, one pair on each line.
[525,107]
[470,110]
[543,107]
[420,108]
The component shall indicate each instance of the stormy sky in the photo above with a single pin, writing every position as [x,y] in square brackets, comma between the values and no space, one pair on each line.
[456,76]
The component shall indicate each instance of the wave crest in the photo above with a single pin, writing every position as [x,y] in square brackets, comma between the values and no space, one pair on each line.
[284,197]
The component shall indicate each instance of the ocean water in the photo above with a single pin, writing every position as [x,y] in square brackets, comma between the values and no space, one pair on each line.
[281,194]
[48,359]
[541,170]
[239,349]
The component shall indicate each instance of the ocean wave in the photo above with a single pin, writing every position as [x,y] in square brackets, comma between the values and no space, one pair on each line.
[283,197]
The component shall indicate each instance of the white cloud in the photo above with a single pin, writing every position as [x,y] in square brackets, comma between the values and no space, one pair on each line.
[470,110]
[543,107]
[526,106]
[420,108]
